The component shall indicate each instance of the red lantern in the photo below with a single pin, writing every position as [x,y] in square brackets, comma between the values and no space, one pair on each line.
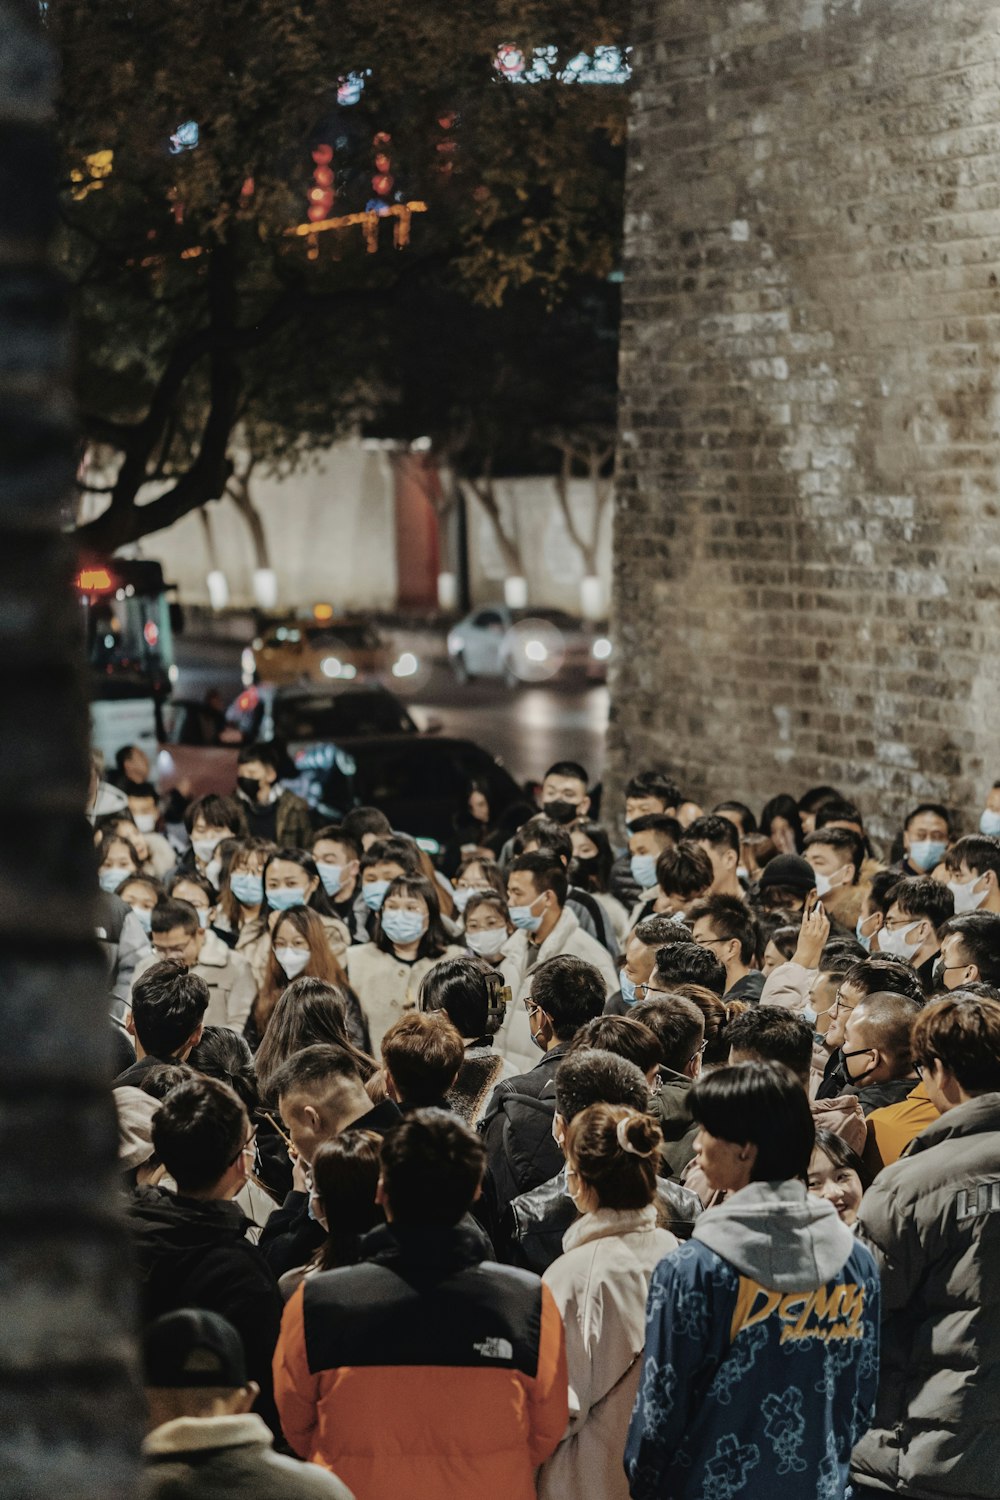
[382,183]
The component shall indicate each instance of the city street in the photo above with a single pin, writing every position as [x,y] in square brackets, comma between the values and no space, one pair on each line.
[527,728]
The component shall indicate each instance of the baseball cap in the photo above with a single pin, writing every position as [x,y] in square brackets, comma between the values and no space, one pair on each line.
[192,1347]
[790,870]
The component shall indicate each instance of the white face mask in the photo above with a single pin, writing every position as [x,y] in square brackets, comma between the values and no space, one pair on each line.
[967,898]
[145,822]
[292,960]
[824,883]
[486,944]
[205,848]
[897,940]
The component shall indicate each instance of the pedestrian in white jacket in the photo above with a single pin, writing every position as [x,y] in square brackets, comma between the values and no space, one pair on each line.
[600,1284]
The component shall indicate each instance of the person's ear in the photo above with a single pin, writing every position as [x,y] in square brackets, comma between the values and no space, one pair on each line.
[311,1117]
[380,1197]
[558,1129]
[193,1039]
[244,1399]
[584,808]
[130,1025]
[390,1086]
[748,1153]
[693,1066]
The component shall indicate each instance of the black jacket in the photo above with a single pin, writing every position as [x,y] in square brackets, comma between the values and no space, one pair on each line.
[290,1238]
[835,1079]
[671,1106]
[194,1254]
[517,1134]
[749,988]
[878,1095]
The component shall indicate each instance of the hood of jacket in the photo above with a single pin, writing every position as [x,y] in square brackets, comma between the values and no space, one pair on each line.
[200,1434]
[135,1126]
[166,1222]
[778,1234]
[610,1222]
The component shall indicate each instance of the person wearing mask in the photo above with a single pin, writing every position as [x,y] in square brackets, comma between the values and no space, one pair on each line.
[320,1094]
[650,792]
[761,1357]
[409,939]
[970,951]
[241,913]
[727,926]
[165,1022]
[870,976]
[204,1439]
[649,836]
[720,839]
[177,934]
[464,1338]
[299,948]
[474,999]
[926,836]
[989,818]
[836,856]
[291,880]
[487,926]
[144,805]
[542,835]
[117,862]
[566,993]
[190,1245]
[209,821]
[875,903]
[156,855]
[197,892]
[564,792]
[839,1175]
[338,860]
[600,1284]
[785,884]
[931,1222]
[918,909]
[141,894]
[345,1175]
[476,876]
[876,1053]
[272,812]
[973,865]
[421,1057]
[640,960]
[590,870]
[383,861]
[536,897]
[679,1026]
[123,944]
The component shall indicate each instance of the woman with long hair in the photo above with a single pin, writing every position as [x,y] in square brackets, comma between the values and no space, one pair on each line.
[345,1173]
[291,883]
[308,1011]
[590,869]
[242,917]
[117,862]
[298,945]
[409,940]
[600,1284]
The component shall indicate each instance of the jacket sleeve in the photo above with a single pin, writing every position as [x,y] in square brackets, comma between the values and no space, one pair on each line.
[892,1232]
[296,1389]
[241,996]
[688,1317]
[133,947]
[788,986]
[286,1240]
[548,1396]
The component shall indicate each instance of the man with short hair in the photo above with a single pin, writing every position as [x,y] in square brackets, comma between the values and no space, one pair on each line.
[970,951]
[679,1025]
[565,993]
[338,859]
[190,1245]
[918,910]
[870,976]
[688,963]
[203,1438]
[720,839]
[973,863]
[365,825]
[836,856]
[784,883]
[640,959]
[877,1059]
[651,792]
[421,1056]
[564,792]
[383,861]
[178,935]
[542,835]
[537,887]
[166,1019]
[272,812]
[425,1371]
[932,1221]
[648,837]
[727,926]
[319,1094]
[926,836]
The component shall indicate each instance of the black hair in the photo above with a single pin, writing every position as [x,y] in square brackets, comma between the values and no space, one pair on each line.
[709,829]
[730,918]
[318,901]
[625,1036]
[887,974]
[362,820]
[655,784]
[491,870]
[592,1077]
[841,1154]
[978,851]
[549,835]
[657,823]
[677,1022]
[684,870]
[594,873]
[169,914]
[748,823]
[690,963]
[314,1065]
[168,1004]
[392,850]
[459,987]
[140,789]
[163,1077]
[761,1104]
[308,1012]
[223,1054]
[122,754]
[217,812]
[108,838]
[938,809]
[812,800]
[784,936]
[840,955]
[880,889]
[337,833]
[775,1035]
[487,898]
[198,1133]
[194,877]
[570,991]
[782,806]
[838,812]
[658,931]
[843,839]
[980,934]
[432,1166]
[569,768]
[547,873]
[264,754]
[919,896]
[435,940]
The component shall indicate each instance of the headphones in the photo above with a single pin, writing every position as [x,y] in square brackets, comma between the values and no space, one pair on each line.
[498,997]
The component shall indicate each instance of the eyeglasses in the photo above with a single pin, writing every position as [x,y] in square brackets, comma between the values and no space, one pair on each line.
[530,1006]
[921,1067]
[704,942]
[642,990]
[248,1146]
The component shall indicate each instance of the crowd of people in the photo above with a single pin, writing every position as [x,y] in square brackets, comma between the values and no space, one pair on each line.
[667,1169]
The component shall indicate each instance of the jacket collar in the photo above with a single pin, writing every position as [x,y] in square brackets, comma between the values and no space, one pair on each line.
[423,1248]
[214,952]
[977,1116]
[195,1434]
[607,1223]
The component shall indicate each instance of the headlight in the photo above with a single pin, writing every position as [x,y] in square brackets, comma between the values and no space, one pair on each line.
[331,666]
[172,672]
[454,643]
[406,666]
[348,670]
[536,651]
[601,649]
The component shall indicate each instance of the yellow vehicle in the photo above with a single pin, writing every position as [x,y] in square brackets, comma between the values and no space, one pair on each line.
[327,648]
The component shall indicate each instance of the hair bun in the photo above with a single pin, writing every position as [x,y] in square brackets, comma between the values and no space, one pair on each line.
[639,1135]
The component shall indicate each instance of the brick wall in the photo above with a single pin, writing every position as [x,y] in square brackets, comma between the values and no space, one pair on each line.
[807,561]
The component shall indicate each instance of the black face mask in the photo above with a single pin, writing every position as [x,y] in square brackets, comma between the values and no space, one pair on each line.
[583,869]
[560,811]
[249,787]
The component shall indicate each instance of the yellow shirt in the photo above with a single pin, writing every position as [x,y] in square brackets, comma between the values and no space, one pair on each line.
[895,1126]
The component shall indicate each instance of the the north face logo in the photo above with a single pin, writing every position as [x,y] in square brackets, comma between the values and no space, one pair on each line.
[495,1349]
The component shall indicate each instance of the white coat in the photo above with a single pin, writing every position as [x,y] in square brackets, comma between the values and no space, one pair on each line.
[232,988]
[600,1284]
[385,985]
[513,1040]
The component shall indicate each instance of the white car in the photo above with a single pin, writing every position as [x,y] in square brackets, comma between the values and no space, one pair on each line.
[526,645]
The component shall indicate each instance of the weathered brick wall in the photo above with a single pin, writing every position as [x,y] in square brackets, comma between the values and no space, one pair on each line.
[807,563]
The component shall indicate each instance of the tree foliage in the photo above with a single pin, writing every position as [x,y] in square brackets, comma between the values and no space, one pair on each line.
[199,315]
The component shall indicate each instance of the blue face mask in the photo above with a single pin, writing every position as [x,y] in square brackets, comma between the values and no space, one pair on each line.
[145,918]
[927,854]
[865,942]
[627,988]
[403,926]
[285,898]
[524,918]
[111,879]
[248,889]
[461,896]
[332,877]
[989,823]
[643,870]
[374,893]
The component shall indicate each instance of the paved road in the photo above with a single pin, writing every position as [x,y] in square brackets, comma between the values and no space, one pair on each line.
[527,727]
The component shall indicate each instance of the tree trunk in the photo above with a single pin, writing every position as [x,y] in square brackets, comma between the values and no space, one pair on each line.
[510,550]
[238,491]
[70,1408]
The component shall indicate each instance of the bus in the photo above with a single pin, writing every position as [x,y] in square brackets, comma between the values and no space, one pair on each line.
[128,626]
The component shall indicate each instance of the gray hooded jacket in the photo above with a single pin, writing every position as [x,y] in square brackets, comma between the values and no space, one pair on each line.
[810,1250]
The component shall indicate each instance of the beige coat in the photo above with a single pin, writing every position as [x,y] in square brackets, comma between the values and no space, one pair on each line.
[385,986]
[600,1284]
[513,1040]
[232,988]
